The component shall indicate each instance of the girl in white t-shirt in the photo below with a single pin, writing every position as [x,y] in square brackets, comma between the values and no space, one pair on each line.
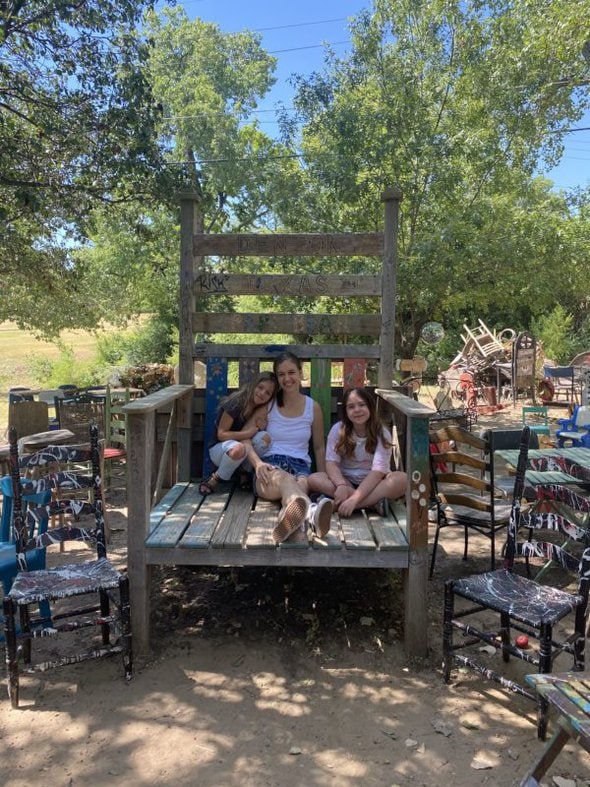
[358,459]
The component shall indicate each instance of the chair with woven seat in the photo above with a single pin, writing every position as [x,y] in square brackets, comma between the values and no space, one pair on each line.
[463,486]
[77,416]
[504,601]
[109,611]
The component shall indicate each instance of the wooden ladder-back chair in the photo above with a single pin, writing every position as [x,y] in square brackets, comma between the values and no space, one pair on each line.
[464,490]
[507,601]
[115,449]
[109,612]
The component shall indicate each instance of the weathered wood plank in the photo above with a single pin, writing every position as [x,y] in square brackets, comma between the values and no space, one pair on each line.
[388,532]
[216,389]
[321,386]
[200,530]
[172,526]
[285,245]
[260,525]
[312,324]
[300,284]
[356,532]
[272,555]
[267,352]
[157,400]
[333,540]
[248,370]
[167,502]
[354,371]
[232,528]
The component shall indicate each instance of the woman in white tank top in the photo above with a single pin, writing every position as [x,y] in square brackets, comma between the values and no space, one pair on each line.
[293,420]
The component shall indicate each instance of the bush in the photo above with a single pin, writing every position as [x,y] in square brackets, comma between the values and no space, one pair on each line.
[149,377]
[151,344]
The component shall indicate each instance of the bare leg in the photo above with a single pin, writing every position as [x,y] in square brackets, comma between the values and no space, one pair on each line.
[391,487]
[292,492]
[320,482]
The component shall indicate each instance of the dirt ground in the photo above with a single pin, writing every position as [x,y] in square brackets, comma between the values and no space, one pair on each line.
[277,678]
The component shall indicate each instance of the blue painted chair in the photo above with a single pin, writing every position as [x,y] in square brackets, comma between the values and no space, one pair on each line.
[576,428]
[8,566]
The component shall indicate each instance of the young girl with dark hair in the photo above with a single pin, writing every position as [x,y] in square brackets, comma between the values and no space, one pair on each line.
[241,416]
[358,459]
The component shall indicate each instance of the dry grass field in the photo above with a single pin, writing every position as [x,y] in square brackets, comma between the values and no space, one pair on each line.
[22,354]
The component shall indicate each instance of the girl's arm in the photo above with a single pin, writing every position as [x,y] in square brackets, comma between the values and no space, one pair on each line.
[343,489]
[224,430]
[317,438]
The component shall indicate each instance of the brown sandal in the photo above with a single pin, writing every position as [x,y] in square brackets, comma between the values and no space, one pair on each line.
[209,485]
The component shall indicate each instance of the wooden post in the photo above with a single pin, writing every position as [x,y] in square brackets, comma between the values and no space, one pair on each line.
[417,466]
[191,222]
[417,503]
[141,451]
[391,198]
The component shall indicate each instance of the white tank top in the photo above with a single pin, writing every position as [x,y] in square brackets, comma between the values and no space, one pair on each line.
[291,436]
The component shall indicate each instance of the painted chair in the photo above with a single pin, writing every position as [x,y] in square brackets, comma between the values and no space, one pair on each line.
[102,590]
[575,429]
[8,564]
[490,609]
[536,417]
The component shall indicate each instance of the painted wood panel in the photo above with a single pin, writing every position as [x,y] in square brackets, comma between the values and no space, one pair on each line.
[211,283]
[311,324]
[285,245]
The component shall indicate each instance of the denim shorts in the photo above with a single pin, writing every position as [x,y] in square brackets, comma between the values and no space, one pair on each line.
[289,464]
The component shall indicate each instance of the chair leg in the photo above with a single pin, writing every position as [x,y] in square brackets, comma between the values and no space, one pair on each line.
[25,628]
[545,637]
[505,635]
[9,608]
[466,546]
[579,642]
[104,611]
[434,548]
[493,546]
[448,631]
[125,613]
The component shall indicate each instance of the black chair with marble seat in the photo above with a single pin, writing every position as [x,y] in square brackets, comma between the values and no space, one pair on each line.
[487,609]
[103,591]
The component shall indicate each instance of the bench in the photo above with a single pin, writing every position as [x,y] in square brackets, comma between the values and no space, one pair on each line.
[170,522]
[569,694]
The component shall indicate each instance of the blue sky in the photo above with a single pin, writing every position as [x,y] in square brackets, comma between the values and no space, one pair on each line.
[294,33]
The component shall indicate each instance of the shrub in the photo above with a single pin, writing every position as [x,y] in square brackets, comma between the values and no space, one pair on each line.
[149,377]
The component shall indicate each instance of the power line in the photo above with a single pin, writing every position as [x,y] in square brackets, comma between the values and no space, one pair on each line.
[311,46]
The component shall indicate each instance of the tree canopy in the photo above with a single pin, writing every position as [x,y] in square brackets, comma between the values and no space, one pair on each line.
[76,123]
[458,103]
[106,114]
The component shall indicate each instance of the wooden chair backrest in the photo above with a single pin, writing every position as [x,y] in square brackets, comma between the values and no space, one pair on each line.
[115,418]
[28,417]
[322,337]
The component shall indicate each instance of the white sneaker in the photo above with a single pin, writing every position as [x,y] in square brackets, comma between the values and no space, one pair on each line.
[320,516]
